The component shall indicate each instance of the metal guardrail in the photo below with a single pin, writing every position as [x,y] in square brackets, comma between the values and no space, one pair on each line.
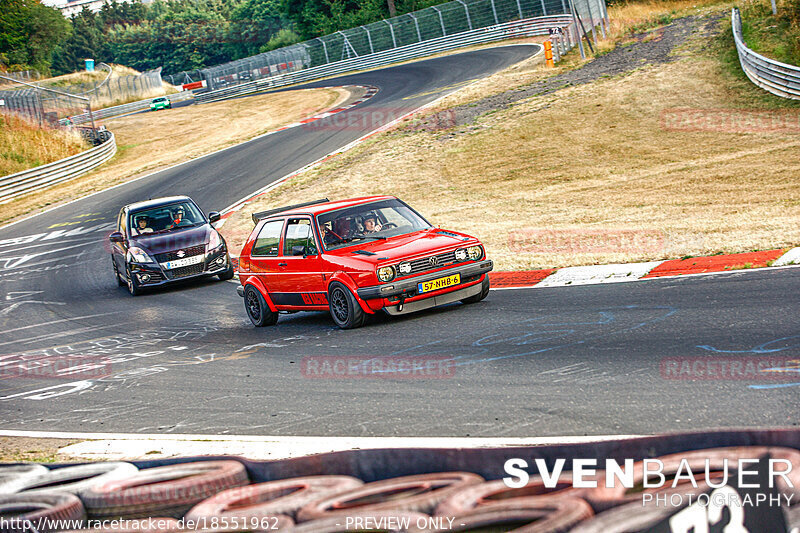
[132,107]
[778,78]
[508,30]
[46,175]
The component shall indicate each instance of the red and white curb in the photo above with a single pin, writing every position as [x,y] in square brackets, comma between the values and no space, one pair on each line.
[131,446]
[617,273]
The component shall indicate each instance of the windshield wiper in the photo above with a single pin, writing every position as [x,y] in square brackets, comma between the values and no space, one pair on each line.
[376,237]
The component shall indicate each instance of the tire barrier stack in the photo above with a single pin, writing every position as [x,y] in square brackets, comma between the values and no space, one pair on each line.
[219,495]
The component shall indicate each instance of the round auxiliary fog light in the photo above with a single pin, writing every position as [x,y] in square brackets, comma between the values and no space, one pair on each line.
[145,278]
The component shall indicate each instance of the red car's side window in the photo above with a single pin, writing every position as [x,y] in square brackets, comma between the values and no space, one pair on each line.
[268,240]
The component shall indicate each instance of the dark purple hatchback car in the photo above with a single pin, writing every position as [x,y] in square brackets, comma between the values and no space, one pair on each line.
[164,240]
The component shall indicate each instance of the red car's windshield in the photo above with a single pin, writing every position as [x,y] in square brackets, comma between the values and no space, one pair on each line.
[374,220]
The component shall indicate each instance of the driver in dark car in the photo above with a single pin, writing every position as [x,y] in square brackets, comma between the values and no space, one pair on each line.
[177,218]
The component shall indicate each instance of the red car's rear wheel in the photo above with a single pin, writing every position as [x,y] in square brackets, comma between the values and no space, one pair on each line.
[257,309]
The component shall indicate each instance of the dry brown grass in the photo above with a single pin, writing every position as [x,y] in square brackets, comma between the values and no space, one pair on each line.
[34,450]
[147,141]
[595,157]
[25,145]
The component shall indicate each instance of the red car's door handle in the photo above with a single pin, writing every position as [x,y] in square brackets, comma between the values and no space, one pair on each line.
[283,264]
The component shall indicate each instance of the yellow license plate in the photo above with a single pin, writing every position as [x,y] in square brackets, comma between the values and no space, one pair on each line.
[441,283]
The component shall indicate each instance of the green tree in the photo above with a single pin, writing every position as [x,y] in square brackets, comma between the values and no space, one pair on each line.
[29,32]
[87,41]
[281,39]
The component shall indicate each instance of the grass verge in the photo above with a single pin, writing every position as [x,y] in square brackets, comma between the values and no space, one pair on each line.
[24,145]
[775,36]
[36,450]
[665,161]
[151,141]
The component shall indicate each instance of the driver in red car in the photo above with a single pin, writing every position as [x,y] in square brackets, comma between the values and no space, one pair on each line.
[371,224]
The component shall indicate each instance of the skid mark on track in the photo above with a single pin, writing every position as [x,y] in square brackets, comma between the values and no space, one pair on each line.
[773,346]
[537,335]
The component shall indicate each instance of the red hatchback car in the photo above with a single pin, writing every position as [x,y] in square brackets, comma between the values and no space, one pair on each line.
[354,258]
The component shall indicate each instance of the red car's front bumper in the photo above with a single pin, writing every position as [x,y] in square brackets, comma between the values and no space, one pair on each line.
[401,296]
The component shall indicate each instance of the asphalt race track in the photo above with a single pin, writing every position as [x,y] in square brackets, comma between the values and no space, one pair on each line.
[528,362]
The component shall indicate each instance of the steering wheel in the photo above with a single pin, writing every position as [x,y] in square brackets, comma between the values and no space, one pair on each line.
[388,225]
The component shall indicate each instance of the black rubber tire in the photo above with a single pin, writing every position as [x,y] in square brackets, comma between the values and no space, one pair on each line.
[77,479]
[257,309]
[602,497]
[167,491]
[228,274]
[338,525]
[263,500]
[159,524]
[486,495]
[626,518]
[481,295]
[133,285]
[420,493]
[535,514]
[13,478]
[23,510]
[344,308]
[116,273]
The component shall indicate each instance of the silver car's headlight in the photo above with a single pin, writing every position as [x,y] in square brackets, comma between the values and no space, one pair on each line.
[475,252]
[386,273]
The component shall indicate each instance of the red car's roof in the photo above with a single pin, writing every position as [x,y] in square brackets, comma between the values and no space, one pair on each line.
[331,206]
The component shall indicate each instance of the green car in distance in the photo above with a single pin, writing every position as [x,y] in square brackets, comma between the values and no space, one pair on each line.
[162,102]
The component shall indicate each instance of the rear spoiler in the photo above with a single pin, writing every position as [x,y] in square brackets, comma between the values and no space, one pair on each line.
[264,214]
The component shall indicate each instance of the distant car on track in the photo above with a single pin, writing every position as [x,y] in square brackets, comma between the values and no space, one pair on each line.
[354,258]
[165,240]
[162,102]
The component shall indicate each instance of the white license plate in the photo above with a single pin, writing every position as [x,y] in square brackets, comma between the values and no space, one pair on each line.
[186,261]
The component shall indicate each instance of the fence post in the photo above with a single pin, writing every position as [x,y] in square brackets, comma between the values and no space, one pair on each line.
[466,10]
[591,19]
[494,12]
[519,8]
[325,48]
[369,40]
[416,23]
[576,24]
[544,9]
[391,29]
[441,20]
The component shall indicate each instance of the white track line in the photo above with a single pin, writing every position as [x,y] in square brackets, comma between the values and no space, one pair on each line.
[133,446]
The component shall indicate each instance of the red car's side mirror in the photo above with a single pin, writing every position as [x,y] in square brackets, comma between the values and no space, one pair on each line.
[116,237]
